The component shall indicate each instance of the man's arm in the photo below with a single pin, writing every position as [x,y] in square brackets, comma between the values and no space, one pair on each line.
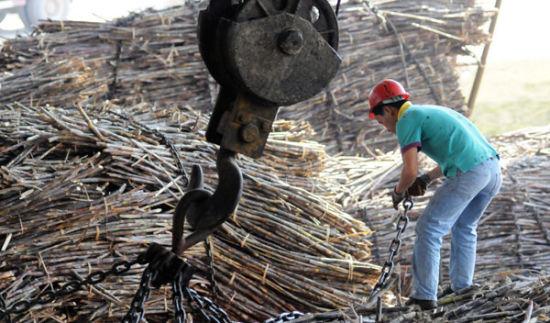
[409,171]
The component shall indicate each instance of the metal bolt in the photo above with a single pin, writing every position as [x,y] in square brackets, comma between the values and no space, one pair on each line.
[245,118]
[291,41]
[249,133]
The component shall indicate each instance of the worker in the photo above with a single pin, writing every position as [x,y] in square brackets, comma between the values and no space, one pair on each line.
[472,178]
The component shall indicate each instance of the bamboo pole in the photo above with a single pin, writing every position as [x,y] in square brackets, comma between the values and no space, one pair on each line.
[481,66]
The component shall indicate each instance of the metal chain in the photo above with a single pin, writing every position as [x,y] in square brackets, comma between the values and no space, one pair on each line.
[209,311]
[394,249]
[285,317]
[137,311]
[164,139]
[208,245]
[179,310]
[70,287]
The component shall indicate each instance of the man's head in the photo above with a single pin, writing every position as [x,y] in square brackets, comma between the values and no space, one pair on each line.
[386,115]
[385,99]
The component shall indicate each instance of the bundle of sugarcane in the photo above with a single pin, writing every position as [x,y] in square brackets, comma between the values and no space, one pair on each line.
[63,82]
[521,143]
[67,62]
[355,179]
[502,298]
[56,41]
[145,57]
[82,188]
[153,57]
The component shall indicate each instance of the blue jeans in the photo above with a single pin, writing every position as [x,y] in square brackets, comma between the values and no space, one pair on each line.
[457,206]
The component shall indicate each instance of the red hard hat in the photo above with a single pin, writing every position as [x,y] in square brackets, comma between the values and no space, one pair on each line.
[385,92]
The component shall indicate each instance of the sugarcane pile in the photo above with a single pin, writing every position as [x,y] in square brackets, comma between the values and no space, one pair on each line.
[86,181]
[153,57]
[84,187]
[145,57]
[503,298]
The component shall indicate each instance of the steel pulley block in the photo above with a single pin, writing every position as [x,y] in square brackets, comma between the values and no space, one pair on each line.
[281,52]
[264,54]
[280,59]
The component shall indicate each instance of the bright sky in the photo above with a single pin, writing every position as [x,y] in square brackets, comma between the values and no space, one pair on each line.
[522,31]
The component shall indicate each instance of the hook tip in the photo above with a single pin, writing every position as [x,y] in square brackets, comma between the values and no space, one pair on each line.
[196,180]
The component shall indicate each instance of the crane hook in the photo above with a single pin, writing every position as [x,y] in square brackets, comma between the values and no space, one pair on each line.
[205,211]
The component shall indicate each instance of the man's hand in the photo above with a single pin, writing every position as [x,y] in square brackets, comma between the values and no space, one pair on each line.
[418,188]
[397,198]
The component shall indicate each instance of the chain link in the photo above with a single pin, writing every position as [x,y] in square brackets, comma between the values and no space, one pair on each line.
[285,317]
[387,269]
[70,287]
[208,245]
[164,267]
[209,311]
[137,310]
[179,310]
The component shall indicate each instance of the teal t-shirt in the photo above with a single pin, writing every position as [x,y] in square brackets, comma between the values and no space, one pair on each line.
[446,136]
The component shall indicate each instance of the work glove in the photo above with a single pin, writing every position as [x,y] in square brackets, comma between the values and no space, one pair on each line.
[418,188]
[396,198]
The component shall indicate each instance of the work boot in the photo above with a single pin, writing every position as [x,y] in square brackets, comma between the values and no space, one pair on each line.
[473,288]
[447,291]
[425,304]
